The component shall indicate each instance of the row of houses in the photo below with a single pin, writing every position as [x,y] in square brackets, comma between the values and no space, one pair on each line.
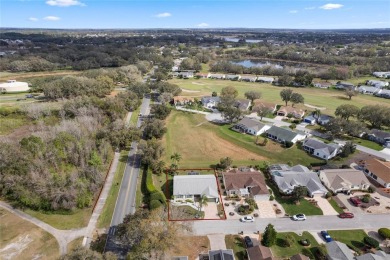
[234,77]
[340,251]
[381,74]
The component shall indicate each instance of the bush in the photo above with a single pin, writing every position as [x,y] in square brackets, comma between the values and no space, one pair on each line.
[307,252]
[371,242]
[289,144]
[271,198]
[157,195]
[365,199]
[328,195]
[154,204]
[371,189]
[149,182]
[384,232]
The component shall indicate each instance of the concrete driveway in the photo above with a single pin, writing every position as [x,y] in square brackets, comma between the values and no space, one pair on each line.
[266,209]
[210,211]
[325,206]
[351,208]
[217,241]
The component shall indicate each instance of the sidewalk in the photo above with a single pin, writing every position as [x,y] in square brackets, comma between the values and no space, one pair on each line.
[101,201]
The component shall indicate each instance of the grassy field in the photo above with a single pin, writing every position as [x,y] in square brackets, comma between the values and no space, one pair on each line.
[77,219]
[313,96]
[352,238]
[75,243]
[4,76]
[24,240]
[279,250]
[202,144]
[11,122]
[108,209]
[190,246]
[236,243]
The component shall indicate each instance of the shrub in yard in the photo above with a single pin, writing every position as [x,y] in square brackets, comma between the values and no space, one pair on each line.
[384,232]
[320,252]
[371,242]
[307,252]
[271,197]
[157,195]
[365,199]
[288,241]
[269,236]
[154,204]
[371,189]
[328,195]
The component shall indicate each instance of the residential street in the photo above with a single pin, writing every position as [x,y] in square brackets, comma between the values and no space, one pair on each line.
[125,203]
[313,223]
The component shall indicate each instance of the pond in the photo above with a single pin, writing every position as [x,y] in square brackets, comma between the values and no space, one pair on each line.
[230,39]
[255,63]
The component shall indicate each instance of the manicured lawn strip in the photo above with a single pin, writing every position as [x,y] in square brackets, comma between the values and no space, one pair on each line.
[352,238]
[11,122]
[336,206]
[290,207]
[108,209]
[134,116]
[368,144]
[279,250]
[67,220]
[236,243]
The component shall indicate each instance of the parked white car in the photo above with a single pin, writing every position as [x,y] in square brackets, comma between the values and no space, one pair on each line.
[299,217]
[247,219]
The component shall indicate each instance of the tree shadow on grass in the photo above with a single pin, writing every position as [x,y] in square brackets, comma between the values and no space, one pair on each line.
[167,188]
[343,98]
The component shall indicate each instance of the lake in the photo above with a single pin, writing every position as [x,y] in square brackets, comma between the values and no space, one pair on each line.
[256,63]
[228,39]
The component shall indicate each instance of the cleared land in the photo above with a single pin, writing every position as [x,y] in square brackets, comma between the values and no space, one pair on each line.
[202,144]
[329,99]
[20,239]
[190,246]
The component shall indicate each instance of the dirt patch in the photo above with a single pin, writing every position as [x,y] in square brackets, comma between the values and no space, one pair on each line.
[319,108]
[191,91]
[190,246]
[22,240]
[197,83]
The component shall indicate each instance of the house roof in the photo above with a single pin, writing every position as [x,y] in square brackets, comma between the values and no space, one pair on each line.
[299,257]
[311,118]
[339,178]
[379,255]
[260,103]
[251,123]
[379,168]
[291,110]
[309,179]
[323,83]
[318,145]
[195,184]
[379,133]
[282,133]
[248,77]
[259,253]
[182,98]
[243,104]
[367,89]
[339,251]
[207,99]
[221,254]
[236,179]
[268,79]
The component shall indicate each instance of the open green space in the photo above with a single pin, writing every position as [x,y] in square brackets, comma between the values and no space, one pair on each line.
[279,250]
[366,143]
[236,243]
[11,122]
[63,220]
[354,239]
[134,116]
[313,96]
[108,209]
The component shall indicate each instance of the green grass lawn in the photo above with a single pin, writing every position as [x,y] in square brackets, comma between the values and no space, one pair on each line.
[352,238]
[291,208]
[313,96]
[236,243]
[279,250]
[68,220]
[367,143]
[108,209]
[11,122]
[336,206]
[134,116]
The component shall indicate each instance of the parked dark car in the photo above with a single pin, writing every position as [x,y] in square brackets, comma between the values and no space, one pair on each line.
[326,236]
[355,201]
[248,242]
[346,215]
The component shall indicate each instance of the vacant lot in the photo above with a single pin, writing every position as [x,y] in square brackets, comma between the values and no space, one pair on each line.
[329,99]
[198,143]
[190,246]
[20,239]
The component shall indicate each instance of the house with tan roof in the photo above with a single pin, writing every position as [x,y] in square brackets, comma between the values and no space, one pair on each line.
[295,112]
[322,84]
[344,180]
[245,183]
[259,104]
[259,253]
[379,171]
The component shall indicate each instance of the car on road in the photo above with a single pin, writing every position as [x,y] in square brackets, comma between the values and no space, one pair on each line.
[346,215]
[299,217]
[326,236]
[247,219]
[248,242]
[355,201]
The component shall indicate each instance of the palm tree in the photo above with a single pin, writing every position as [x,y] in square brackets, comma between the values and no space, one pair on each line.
[317,113]
[159,166]
[176,157]
[203,201]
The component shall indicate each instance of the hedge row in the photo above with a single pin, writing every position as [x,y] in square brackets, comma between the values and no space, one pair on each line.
[384,232]
[156,198]
[149,182]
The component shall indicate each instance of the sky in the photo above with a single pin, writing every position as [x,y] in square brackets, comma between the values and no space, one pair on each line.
[137,14]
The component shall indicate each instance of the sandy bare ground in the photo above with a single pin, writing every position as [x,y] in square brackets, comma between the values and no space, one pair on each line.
[319,108]
[190,91]
[14,249]
[197,83]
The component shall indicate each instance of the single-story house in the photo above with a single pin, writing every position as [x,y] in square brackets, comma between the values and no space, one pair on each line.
[378,171]
[384,93]
[287,181]
[210,102]
[295,112]
[378,83]
[379,255]
[283,135]
[368,90]
[251,126]
[322,84]
[344,180]
[243,104]
[259,253]
[182,100]
[202,75]
[344,85]
[380,137]
[320,149]
[258,103]
[195,186]
[232,77]
[216,76]
[280,169]
[221,254]
[310,120]
[381,74]
[338,251]
[248,78]
[186,74]
[246,184]
[299,257]
[323,119]
[265,79]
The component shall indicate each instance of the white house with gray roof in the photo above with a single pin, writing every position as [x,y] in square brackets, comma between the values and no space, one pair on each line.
[283,135]
[338,251]
[265,79]
[251,126]
[378,83]
[195,186]
[320,149]
[210,102]
[368,90]
[344,180]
